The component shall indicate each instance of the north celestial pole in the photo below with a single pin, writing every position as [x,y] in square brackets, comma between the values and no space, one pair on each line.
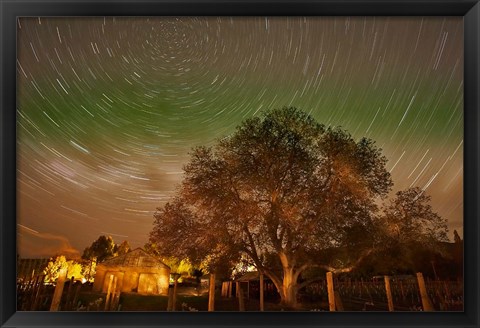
[109,108]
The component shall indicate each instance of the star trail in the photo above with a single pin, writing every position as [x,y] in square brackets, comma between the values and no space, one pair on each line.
[109,108]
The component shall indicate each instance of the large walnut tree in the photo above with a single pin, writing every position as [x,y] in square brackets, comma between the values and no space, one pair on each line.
[282,191]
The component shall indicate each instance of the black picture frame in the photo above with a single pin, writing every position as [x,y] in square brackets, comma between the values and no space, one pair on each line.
[10,10]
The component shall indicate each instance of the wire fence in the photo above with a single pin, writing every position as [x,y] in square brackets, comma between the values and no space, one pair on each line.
[358,295]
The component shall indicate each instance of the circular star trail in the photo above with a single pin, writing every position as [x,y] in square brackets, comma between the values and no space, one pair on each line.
[109,108]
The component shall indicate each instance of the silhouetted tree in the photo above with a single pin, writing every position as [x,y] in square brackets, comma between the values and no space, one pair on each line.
[410,218]
[101,249]
[151,248]
[122,248]
[410,233]
[456,237]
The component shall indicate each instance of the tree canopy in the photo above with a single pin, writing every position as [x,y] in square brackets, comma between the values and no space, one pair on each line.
[284,191]
[122,248]
[104,248]
[411,219]
[409,232]
[54,267]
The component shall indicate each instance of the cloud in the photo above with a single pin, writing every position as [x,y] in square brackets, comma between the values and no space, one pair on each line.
[35,244]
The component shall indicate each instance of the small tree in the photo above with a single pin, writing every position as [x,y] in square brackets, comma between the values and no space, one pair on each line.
[54,267]
[101,249]
[409,218]
[122,248]
[89,269]
[409,227]
[180,267]
[151,248]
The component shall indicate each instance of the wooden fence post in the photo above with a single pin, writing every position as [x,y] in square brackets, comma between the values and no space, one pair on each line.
[33,291]
[426,303]
[338,301]
[69,292]
[225,289]
[331,293]
[38,293]
[109,289]
[211,293]
[230,283]
[29,270]
[57,295]
[241,304]
[116,299]
[113,294]
[170,299]
[389,293]
[174,300]
[401,290]
[262,306]
[75,298]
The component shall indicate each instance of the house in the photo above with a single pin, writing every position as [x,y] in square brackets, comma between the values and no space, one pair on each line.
[137,271]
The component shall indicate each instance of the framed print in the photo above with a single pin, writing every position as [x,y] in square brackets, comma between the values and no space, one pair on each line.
[234,163]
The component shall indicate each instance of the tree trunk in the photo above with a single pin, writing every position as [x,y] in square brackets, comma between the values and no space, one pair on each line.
[262,286]
[289,288]
[174,301]
[287,285]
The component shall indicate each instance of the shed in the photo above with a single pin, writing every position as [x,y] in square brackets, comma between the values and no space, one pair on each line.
[137,271]
[250,283]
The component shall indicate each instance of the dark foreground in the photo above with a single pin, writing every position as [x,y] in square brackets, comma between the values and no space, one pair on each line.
[445,296]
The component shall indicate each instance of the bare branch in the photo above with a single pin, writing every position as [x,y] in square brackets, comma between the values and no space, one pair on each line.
[300,270]
[252,244]
[346,269]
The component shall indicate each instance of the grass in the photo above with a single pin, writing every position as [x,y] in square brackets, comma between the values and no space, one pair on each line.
[135,302]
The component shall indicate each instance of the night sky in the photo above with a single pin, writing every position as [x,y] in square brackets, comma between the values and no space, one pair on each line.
[108,108]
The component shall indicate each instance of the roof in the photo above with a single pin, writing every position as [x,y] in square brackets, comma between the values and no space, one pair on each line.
[136,258]
[249,276]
